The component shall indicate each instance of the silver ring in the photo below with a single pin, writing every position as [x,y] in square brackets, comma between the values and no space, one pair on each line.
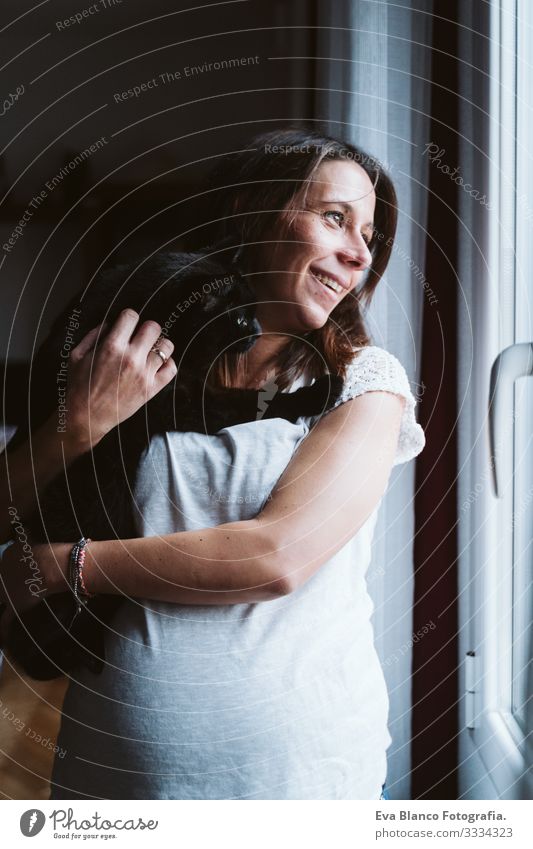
[159,353]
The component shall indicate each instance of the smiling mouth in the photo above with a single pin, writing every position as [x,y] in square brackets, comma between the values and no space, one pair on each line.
[326,281]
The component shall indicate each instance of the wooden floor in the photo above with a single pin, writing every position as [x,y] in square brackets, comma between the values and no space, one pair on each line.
[30,713]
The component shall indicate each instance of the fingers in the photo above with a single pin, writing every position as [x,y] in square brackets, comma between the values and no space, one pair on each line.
[165,374]
[146,336]
[88,342]
[130,346]
[161,367]
[122,330]
[165,367]
[155,360]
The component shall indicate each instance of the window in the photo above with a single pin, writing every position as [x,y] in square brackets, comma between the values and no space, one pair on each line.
[500,533]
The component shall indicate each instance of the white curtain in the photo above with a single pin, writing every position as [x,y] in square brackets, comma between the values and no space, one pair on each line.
[373,84]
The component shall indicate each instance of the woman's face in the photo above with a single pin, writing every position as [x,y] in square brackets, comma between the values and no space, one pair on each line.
[301,279]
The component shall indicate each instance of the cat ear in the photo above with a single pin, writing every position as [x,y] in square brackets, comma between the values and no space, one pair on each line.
[230,245]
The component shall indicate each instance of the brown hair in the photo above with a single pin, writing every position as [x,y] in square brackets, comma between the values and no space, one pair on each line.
[256,191]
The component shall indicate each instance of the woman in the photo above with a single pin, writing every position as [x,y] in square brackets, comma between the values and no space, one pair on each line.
[209,692]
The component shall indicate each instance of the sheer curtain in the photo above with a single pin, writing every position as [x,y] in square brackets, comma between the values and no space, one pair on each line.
[373,87]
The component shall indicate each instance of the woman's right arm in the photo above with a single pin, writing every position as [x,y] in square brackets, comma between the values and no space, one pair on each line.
[107,383]
[26,471]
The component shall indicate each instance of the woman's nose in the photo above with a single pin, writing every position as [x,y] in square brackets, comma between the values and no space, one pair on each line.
[357,254]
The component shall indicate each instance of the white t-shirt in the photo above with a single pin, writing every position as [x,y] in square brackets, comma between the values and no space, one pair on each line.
[278,700]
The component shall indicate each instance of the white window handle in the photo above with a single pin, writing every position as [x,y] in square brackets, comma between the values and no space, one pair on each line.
[512,363]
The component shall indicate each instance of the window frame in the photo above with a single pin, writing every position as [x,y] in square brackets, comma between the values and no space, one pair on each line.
[496,734]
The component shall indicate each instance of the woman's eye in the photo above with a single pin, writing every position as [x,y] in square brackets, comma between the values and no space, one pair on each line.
[339,219]
[342,221]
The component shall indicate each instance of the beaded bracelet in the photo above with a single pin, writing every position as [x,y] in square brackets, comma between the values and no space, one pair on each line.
[76,582]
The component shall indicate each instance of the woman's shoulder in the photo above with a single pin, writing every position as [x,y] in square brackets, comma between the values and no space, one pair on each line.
[374,366]
[373,369]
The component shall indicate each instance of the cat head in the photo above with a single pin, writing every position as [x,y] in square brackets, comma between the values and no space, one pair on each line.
[204,307]
[231,311]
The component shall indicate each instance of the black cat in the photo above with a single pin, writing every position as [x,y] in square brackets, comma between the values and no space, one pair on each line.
[204,306]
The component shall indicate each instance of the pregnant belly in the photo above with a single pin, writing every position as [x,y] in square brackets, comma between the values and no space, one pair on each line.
[226,716]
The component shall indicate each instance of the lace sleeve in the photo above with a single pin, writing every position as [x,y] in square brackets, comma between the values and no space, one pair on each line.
[374,369]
